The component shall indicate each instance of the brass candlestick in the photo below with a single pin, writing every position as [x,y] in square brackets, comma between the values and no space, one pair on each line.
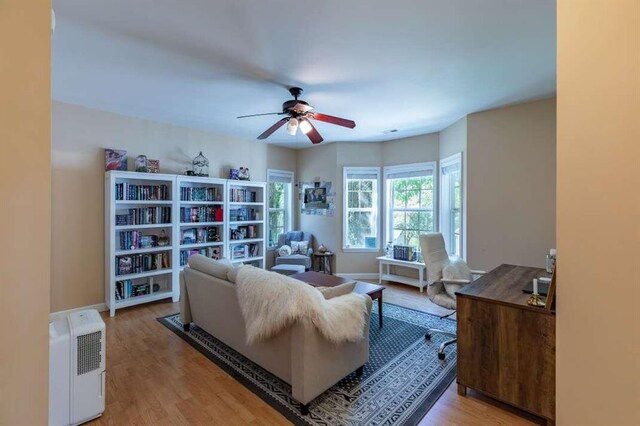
[536,300]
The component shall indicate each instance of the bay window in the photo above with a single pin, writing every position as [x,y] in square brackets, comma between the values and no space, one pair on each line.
[279,190]
[361,205]
[409,202]
[451,211]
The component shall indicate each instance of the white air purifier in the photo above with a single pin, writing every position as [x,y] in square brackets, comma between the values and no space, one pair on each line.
[77,360]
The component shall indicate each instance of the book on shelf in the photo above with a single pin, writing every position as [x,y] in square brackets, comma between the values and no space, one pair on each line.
[212,252]
[241,195]
[133,192]
[242,214]
[126,288]
[241,251]
[200,194]
[144,216]
[201,214]
[138,263]
[243,232]
[133,240]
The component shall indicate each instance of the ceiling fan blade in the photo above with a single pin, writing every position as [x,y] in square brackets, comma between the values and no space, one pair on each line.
[257,115]
[273,128]
[334,120]
[313,134]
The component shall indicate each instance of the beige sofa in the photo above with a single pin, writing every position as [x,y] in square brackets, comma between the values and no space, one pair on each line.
[299,354]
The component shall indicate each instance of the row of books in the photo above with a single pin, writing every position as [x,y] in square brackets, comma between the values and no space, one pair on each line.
[243,213]
[144,216]
[212,252]
[135,264]
[242,232]
[132,240]
[243,196]
[126,289]
[407,253]
[200,194]
[127,191]
[242,251]
[201,214]
[210,234]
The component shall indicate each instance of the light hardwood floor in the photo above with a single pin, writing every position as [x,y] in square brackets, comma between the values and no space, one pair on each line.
[155,378]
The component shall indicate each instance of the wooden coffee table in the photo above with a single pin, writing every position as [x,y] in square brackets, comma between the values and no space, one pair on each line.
[318,279]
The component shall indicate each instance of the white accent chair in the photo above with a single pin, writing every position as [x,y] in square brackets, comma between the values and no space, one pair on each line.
[445,276]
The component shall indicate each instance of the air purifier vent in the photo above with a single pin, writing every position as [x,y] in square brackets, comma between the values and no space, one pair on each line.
[89,352]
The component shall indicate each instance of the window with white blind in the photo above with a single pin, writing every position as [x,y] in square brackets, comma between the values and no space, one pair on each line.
[451,211]
[360,230]
[409,202]
[279,189]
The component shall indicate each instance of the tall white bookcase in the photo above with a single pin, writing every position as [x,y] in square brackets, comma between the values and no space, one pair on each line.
[137,272]
[201,229]
[214,217]
[246,213]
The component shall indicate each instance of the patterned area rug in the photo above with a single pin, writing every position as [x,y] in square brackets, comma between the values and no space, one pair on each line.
[401,381]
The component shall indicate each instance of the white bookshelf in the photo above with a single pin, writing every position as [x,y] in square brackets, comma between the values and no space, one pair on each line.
[138,273]
[201,205]
[246,215]
[198,228]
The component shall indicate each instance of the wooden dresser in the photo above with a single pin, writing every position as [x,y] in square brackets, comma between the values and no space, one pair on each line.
[506,348]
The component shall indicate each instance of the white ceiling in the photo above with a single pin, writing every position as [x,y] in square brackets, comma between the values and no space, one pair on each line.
[412,65]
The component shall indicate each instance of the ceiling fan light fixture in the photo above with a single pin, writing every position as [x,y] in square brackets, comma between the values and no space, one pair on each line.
[305,126]
[292,126]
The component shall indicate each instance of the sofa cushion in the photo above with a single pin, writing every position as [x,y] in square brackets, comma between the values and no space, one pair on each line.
[299,247]
[338,290]
[233,273]
[285,250]
[216,268]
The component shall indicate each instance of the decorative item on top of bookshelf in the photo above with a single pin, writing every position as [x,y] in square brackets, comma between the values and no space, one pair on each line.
[233,174]
[243,173]
[142,164]
[154,166]
[200,165]
[115,159]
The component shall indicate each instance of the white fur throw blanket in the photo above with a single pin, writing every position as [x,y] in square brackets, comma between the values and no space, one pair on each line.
[270,302]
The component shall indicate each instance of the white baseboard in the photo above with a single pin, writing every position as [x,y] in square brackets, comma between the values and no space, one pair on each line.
[360,275]
[53,316]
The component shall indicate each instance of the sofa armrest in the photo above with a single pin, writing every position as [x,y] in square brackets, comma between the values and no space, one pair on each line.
[317,364]
[185,307]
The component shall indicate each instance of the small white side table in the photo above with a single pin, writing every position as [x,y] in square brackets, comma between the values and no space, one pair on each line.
[388,276]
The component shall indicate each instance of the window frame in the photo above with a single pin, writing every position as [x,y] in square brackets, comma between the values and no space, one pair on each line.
[452,160]
[376,207]
[429,166]
[288,203]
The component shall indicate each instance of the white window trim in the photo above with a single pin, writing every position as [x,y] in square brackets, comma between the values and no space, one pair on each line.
[378,204]
[288,202]
[429,166]
[446,162]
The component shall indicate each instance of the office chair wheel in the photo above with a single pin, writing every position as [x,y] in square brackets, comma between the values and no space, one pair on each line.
[427,336]
[441,356]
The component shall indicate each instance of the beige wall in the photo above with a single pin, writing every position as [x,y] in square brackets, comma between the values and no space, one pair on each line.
[598,320]
[511,185]
[328,161]
[318,161]
[79,137]
[25,215]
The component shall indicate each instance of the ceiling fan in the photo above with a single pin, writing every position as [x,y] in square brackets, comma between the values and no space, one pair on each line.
[299,115]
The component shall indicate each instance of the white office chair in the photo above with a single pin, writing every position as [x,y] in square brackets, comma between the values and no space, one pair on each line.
[445,276]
